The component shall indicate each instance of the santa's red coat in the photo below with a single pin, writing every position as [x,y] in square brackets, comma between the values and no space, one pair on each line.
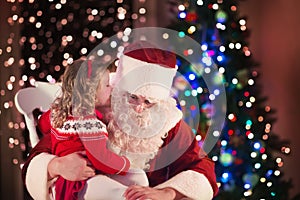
[180,141]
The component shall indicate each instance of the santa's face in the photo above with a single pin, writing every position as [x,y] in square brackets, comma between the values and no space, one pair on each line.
[140,103]
[140,112]
[137,115]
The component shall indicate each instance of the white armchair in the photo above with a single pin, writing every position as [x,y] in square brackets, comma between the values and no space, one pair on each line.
[28,99]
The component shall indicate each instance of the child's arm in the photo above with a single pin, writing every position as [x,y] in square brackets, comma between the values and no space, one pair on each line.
[94,137]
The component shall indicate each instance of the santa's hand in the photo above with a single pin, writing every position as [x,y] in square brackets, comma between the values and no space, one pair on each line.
[147,193]
[72,167]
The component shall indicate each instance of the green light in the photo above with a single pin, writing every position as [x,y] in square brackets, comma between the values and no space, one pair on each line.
[187,93]
[239,86]
[273,194]
[181,34]
[218,79]
[249,122]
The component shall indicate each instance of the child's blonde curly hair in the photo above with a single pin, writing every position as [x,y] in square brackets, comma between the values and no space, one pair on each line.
[79,84]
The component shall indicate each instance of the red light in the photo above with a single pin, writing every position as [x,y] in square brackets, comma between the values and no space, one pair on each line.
[193,107]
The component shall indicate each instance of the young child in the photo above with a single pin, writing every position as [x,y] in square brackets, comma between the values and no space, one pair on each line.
[71,133]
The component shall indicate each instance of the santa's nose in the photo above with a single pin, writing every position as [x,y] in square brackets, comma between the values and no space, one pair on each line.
[139,108]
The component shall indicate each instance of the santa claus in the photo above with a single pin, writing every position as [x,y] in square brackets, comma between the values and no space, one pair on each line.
[148,129]
[143,110]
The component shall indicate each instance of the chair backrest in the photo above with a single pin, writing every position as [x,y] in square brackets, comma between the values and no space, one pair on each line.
[28,99]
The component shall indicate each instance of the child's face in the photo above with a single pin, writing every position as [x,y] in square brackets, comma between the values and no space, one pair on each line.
[103,91]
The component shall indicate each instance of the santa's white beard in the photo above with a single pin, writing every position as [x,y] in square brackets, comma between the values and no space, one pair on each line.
[138,150]
[141,120]
[148,123]
[138,136]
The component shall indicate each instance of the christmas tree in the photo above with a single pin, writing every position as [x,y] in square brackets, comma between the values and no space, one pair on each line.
[248,155]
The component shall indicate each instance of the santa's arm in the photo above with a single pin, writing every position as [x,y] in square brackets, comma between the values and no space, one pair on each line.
[35,169]
[36,181]
[190,184]
[192,174]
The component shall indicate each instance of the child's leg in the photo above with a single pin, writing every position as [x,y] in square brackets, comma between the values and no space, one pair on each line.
[133,177]
[101,187]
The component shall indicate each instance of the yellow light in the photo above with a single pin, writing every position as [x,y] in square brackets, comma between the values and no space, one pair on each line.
[58,6]
[252,99]
[142,11]
[253,154]
[15,17]
[278,160]
[243,28]
[264,156]
[10,125]
[277,173]
[262,179]
[15,161]
[181,7]
[9,86]
[265,137]
[215,6]
[11,140]
[31,19]
[8,49]
[192,29]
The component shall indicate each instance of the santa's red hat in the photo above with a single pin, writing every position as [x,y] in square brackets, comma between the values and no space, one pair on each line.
[146,70]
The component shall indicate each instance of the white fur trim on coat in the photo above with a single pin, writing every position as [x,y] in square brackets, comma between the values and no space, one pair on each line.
[191,184]
[37,175]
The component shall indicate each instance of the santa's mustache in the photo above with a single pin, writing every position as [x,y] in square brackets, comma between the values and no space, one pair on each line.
[142,120]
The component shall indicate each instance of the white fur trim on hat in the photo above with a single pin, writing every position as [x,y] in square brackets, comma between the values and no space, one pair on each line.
[143,78]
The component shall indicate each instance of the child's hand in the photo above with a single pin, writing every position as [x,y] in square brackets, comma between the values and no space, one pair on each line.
[72,167]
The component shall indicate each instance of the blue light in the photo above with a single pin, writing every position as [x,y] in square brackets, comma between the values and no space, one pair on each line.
[192,77]
[269,173]
[257,145]
[182,15]
[247,186]
[225,177]
[220,58]
[204,47]
[178,62]
[223,143]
